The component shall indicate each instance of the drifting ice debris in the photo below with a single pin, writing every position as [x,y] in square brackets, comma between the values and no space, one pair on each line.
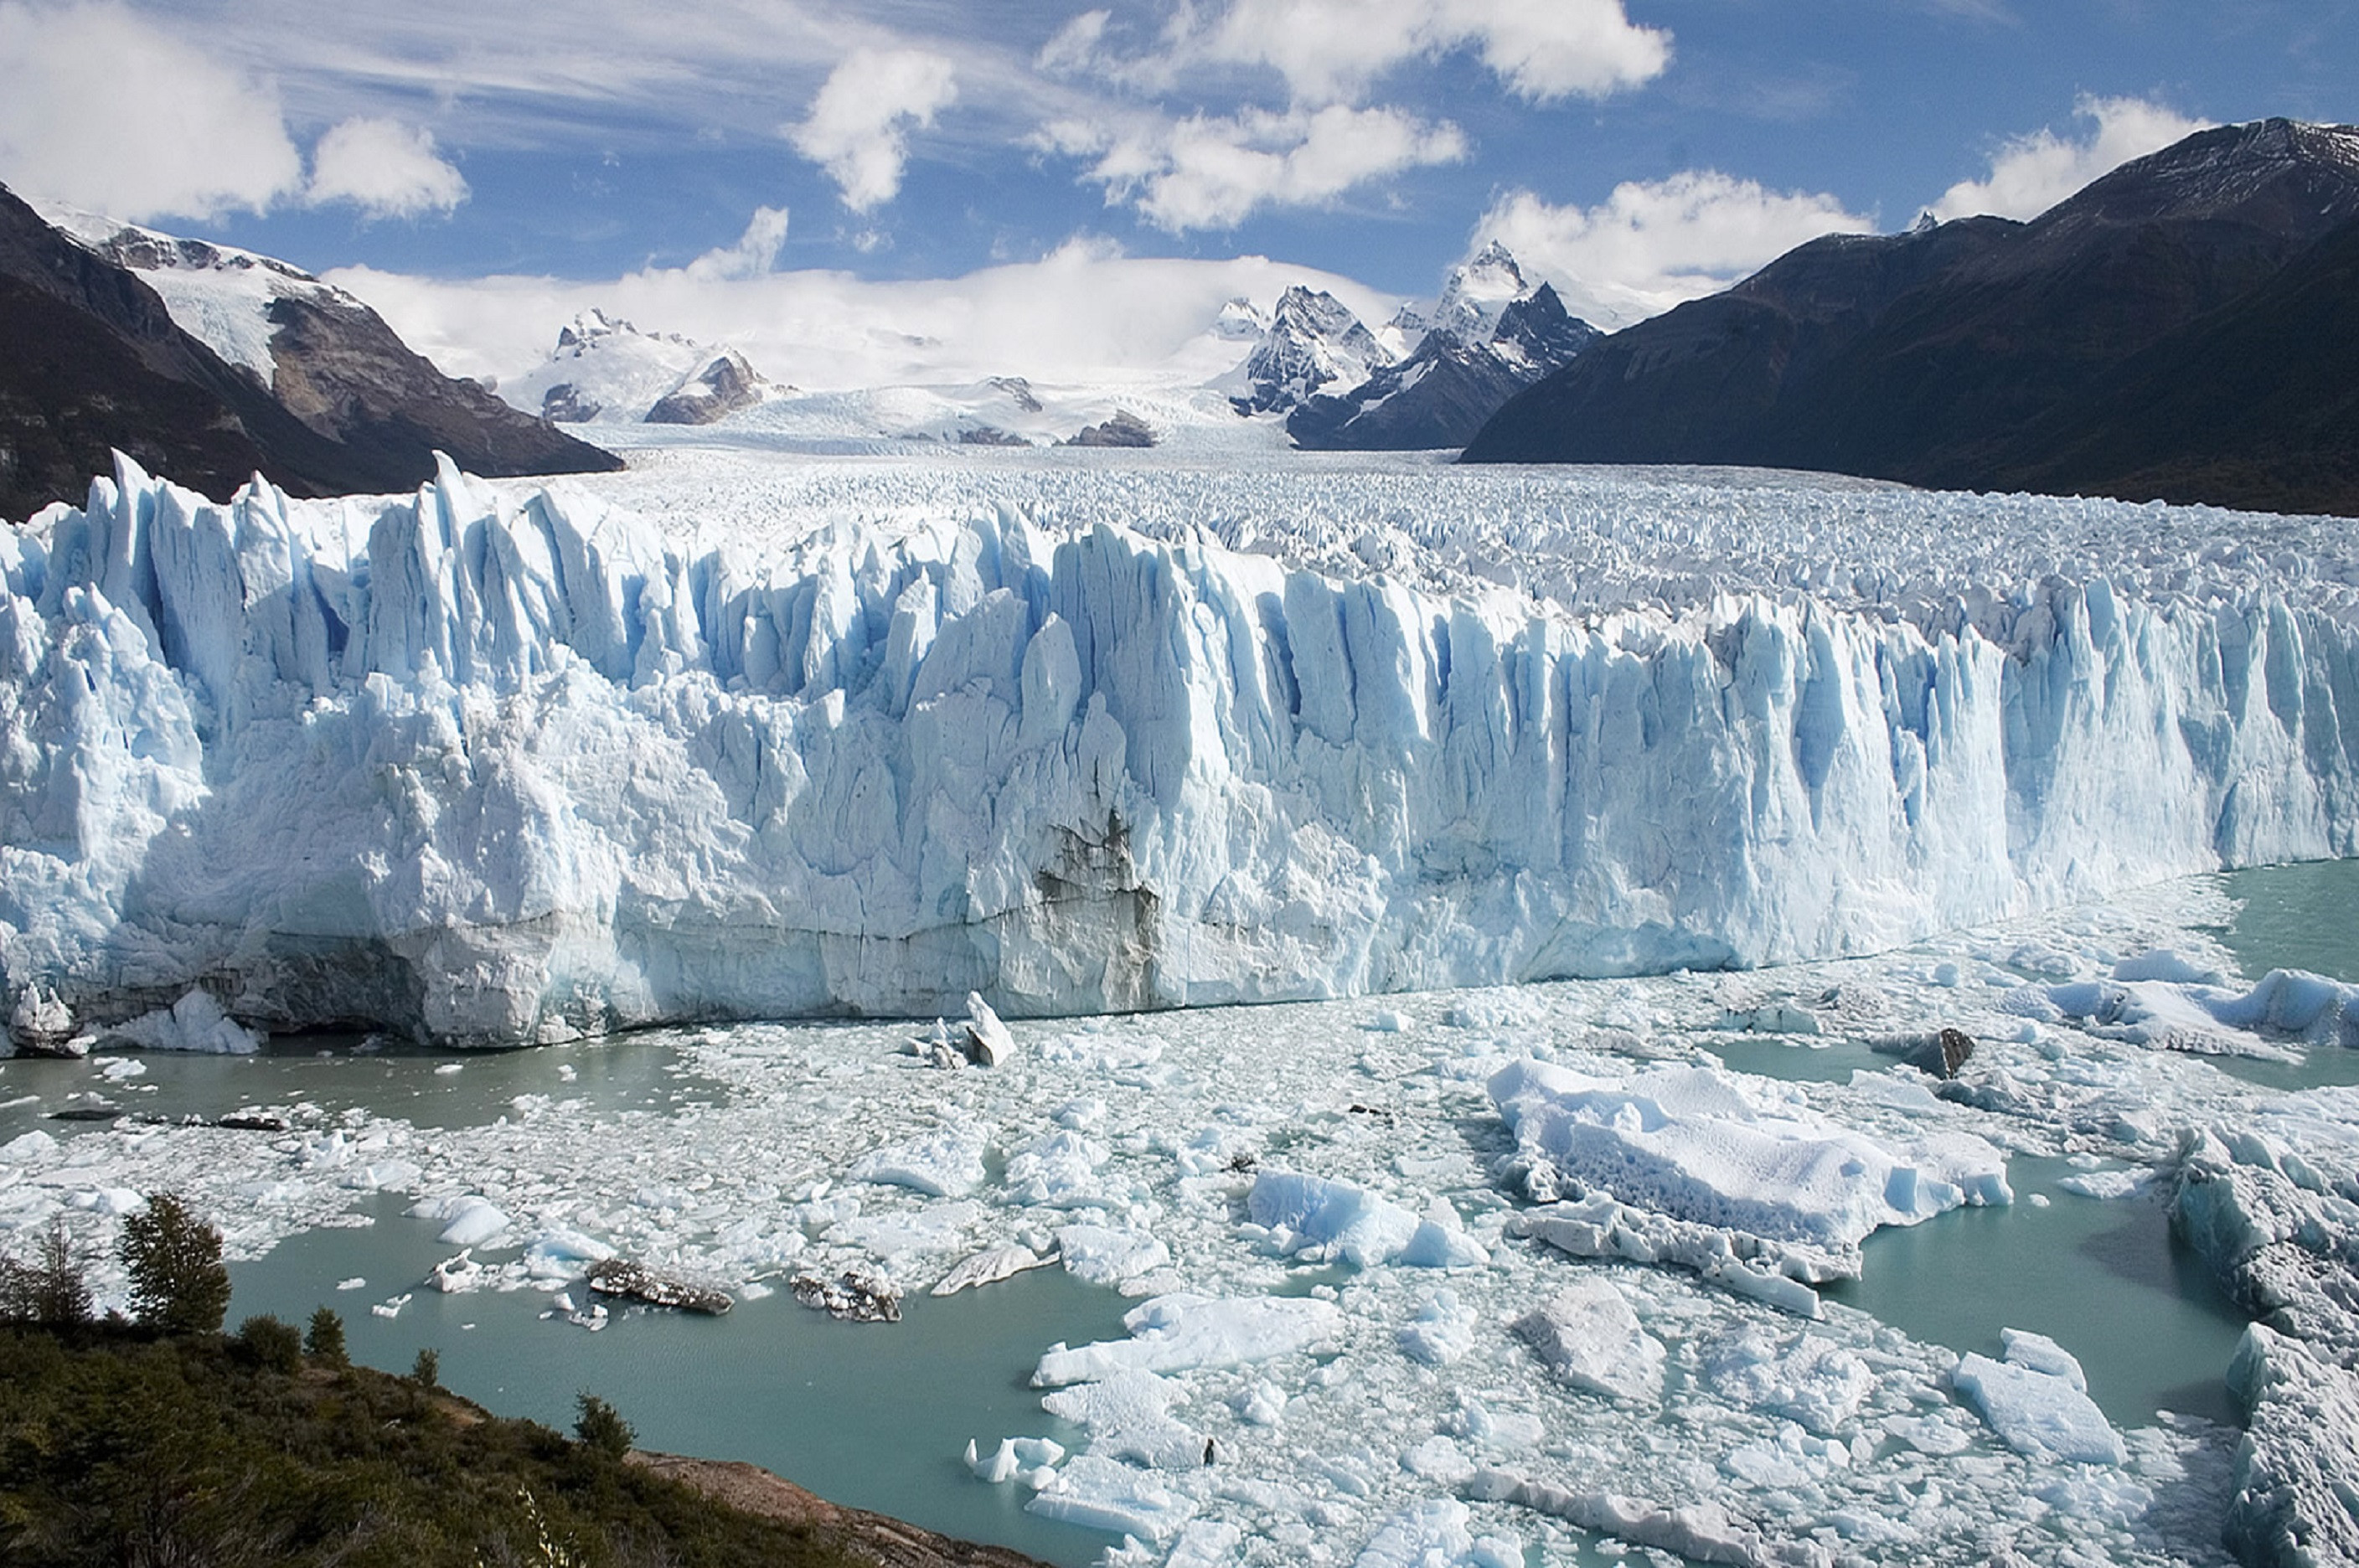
[1778,1273]
[1031,1460]
[861,1293]
[989,1268]
[621,1277]
[937,1050]
[988,1043]
[1703,1531]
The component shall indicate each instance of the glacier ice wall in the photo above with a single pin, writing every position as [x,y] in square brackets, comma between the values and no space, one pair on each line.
[492,767]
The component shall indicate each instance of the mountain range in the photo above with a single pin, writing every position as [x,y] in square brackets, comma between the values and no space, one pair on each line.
[2182,329]
[213,364]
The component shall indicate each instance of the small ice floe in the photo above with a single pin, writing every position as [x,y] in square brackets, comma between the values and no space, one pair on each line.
[1182,1331]
[391,1306]
[1316,1216]
[861,1293]
[467,1221]
[1389,1022]
[1587,1335]
[1031,1460]
[117,1069]
[357,1282]
[944,1163]
[1129,1417]
[453,1275]
[1098,1493]
[449,1070]
[1109,1254]
[1441,1332]
[988,1268]
[2036,1399]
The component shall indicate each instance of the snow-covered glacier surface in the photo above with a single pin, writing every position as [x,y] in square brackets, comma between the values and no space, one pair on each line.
[502,764]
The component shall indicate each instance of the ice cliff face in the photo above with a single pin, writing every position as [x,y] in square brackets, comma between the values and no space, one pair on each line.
[496,769]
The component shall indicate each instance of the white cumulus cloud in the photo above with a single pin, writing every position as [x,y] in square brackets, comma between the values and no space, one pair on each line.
[859,125]
[106,110]
[1213,172]
[1329,50]
[386,169]
[1653,244]
[2030,174]
[755,255]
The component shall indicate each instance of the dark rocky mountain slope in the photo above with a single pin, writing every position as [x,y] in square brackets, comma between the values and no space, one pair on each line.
[94,362]
[2162,306]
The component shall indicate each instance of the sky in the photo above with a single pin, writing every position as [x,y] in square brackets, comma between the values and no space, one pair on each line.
[477,169]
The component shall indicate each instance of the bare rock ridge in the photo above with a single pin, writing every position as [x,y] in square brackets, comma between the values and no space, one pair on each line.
[2179,329]
[97,361]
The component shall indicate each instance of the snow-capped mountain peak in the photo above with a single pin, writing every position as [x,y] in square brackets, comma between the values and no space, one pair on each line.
[605,370]
[1313,340]
[1478,293]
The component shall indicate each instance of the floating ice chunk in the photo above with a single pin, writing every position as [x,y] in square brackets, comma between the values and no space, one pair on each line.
[1791,1458]
[383,1175]
[1108,1255]
[988,1267]
[1439,1458]
[2165,963]
[1129,1417]
[35,1148]
[195,1023]
[1056,1170]
[391,1306]
[357,1282]
[1259,1403]
[944,1163]
[1440,1241]
[1329,1219]
[1390,1021]
[1703,1530]
[1106,1494]
[2109,1185]
[456,1274]
[1685,1141]
[1773,1272]
[468,1221]
[122,1068]
[1205,1543]
[2041,1414]
[1031,1460]
[1181,1333]
[1587,1335]
[1432,1534]
[1442,1330]
[562,1253]
[1811,1379]
[987,1041]
[2038,1353]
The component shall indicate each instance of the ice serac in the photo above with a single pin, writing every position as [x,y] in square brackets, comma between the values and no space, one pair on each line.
[508,768]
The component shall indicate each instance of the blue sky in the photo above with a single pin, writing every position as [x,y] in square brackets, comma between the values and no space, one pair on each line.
[1637,151]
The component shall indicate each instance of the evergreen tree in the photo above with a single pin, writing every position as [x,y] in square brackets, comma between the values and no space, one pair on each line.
[179,1283]
[324,1340]
[601,1427]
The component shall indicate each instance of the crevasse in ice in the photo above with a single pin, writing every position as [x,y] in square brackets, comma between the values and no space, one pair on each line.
[509,766]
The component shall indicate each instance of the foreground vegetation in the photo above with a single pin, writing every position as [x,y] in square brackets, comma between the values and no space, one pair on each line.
[166,1443]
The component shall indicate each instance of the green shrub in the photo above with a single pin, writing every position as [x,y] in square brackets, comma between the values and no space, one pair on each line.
[271,1343]
[601,1427]
[179,1283]
[324,1340]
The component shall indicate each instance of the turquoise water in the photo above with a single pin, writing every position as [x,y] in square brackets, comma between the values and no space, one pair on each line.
[873,1415]
[2106,1280]
[2296,917]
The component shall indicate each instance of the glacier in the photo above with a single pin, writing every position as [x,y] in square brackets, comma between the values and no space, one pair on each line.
[495,764]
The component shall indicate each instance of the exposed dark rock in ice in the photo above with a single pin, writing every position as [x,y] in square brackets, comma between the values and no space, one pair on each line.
[861,1293]
[1126,429]
[621,1277]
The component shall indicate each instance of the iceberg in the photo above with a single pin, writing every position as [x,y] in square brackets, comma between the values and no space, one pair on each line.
[497,766]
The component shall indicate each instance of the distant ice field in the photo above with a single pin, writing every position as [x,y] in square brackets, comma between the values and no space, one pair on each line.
[1583,539]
